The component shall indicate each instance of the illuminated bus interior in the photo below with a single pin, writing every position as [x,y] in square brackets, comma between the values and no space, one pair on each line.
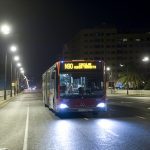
[81,84]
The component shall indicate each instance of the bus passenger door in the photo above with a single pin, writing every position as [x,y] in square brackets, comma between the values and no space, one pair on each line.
[52,90]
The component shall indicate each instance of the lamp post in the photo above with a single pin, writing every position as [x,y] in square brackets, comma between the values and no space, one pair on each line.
[146,60]
[13,49]
[108,73]
[110,79]
[17,58]
[18,76]
[127,82]
[108,69]
[5,78]
[108,76]
[127,72]
[27,81]
[5,30]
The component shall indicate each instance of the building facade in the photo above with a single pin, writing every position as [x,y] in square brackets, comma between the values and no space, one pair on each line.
[107,44]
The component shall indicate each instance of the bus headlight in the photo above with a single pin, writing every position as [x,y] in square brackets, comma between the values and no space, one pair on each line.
[101,105]
[63,106]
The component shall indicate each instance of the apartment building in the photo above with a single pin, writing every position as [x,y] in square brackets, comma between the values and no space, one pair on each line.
[108,44]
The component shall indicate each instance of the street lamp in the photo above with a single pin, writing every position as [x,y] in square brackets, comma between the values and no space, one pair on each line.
[110,78]
[22,71]
[16,58]
[18,64]
[108,68]
[5,30]
[145,59]
[13,49]
[127,72]
[121,65]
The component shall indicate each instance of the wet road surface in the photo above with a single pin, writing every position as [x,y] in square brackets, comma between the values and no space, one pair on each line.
[25,124]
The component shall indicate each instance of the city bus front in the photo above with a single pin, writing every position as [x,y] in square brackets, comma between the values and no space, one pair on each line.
[82,87]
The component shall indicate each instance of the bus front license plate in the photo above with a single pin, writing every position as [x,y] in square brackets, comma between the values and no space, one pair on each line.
[81,110]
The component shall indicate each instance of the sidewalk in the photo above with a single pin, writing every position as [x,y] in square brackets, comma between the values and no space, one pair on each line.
[3,102]
[129,95]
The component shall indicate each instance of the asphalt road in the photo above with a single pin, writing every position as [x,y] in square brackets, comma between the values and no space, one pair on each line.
[25,124]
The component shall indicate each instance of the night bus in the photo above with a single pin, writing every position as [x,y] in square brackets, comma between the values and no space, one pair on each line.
[75,86]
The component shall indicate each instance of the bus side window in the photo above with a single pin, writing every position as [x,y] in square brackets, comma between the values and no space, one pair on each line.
[53,75]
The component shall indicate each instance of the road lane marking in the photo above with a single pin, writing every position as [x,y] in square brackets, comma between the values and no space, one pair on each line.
[25,144]
[111,132]
[141,117]
[86,119]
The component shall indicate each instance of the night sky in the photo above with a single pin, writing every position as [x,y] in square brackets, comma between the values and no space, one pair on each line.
[41,27]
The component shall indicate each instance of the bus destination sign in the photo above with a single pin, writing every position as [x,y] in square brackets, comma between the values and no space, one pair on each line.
[79,66]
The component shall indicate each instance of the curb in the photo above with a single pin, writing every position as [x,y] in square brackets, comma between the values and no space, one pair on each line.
[5,102]
[124,95]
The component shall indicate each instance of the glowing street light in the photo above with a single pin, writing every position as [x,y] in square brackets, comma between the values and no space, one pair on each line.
[121,65]
[13,48]
[5,29]
[22,71]
[108,68]
[145,59]
[18,64]
[16,58]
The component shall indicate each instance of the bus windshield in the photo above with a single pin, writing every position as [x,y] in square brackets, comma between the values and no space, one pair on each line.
[82,84]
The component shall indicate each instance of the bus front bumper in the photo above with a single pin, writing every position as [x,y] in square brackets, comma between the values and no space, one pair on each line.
[83,109]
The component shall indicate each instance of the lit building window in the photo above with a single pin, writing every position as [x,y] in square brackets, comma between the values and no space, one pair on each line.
[125,40]
[138,40]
